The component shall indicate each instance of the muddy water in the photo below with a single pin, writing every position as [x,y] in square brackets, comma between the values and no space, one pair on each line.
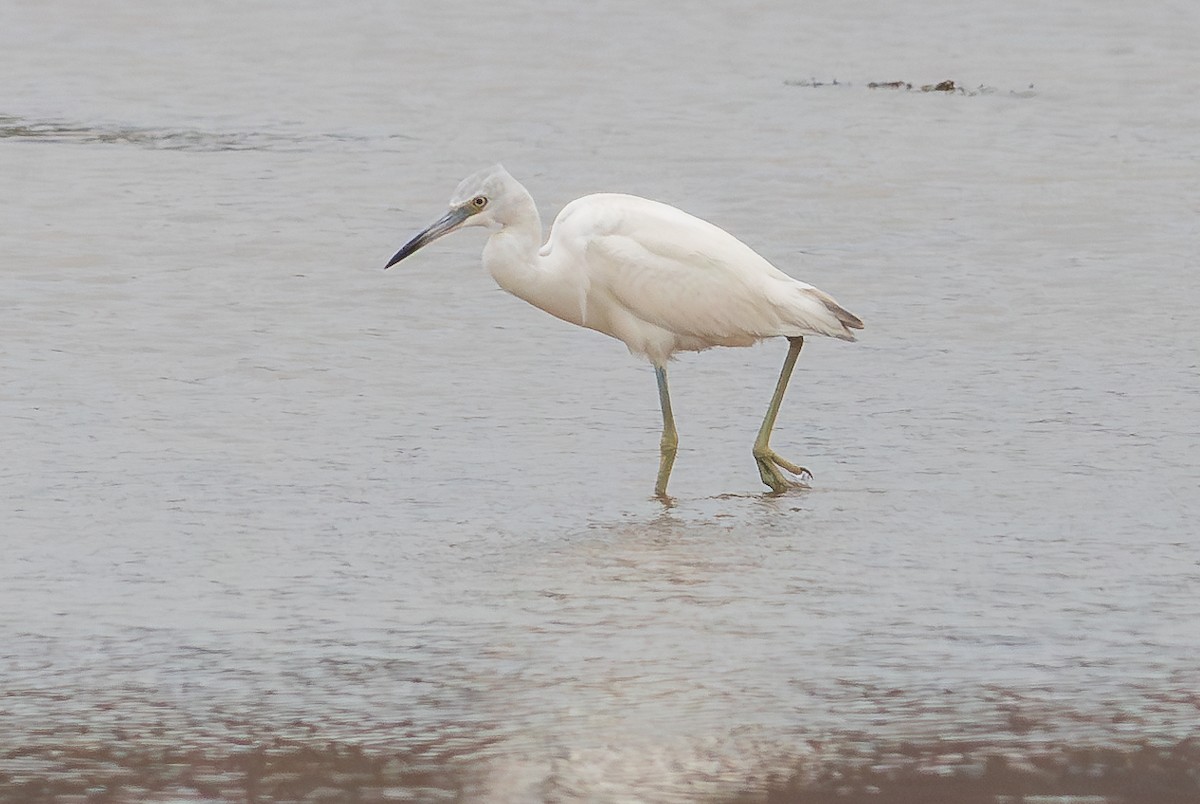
[279,525]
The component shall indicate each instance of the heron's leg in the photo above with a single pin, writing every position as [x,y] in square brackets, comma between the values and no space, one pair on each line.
[769,462]
[670,438]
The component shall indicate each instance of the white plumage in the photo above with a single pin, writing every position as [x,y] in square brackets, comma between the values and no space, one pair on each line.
[648,274]
[664,281]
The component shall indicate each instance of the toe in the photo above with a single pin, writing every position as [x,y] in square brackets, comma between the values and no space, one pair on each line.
[794,468]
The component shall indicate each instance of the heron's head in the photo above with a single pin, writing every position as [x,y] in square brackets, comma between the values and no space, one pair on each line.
[478,201]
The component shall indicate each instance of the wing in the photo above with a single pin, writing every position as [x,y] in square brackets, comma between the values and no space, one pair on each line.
[690,277]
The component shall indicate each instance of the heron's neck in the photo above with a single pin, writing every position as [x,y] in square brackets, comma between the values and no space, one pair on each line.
[512,257]
[511,254]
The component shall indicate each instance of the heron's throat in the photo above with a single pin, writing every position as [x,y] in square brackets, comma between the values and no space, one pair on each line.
[512,257]
[511,254]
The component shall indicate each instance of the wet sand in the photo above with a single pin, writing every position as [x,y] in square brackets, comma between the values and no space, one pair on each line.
[312,771]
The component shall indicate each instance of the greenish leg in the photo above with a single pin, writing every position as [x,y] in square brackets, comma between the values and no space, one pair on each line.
[670,438]
[769,462]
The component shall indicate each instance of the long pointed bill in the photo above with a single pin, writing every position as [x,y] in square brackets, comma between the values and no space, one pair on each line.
[442,226]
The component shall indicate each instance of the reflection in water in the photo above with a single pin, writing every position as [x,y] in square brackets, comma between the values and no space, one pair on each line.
[585,689]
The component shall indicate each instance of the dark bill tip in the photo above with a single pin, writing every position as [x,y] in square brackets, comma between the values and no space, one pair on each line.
[442,226]
[407,249]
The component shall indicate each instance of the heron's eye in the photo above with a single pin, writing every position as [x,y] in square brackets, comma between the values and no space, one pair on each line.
[479,202]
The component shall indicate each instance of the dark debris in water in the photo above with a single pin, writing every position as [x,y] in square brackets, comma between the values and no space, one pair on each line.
[949,87]
[54,131]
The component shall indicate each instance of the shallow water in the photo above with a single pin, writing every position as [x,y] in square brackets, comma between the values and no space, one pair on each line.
[278,524]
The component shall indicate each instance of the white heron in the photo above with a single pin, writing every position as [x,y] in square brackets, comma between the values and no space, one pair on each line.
[650,275]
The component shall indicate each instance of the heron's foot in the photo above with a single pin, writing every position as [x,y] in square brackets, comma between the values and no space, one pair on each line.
[769,465]
[667,451]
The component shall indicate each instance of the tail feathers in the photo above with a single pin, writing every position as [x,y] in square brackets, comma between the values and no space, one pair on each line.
[846,320]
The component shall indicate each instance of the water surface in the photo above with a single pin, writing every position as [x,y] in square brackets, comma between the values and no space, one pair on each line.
[278,524]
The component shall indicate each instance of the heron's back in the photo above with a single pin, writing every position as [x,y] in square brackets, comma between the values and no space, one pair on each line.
[651,271]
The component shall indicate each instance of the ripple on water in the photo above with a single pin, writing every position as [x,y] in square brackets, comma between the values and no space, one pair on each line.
[53,131]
